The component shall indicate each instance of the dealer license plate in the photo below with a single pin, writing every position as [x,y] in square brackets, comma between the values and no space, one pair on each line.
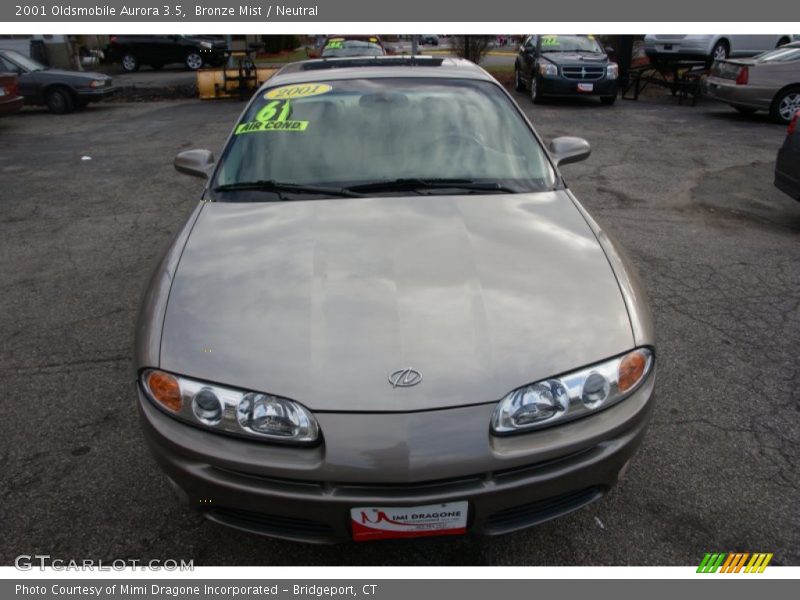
[386,522]
[585,87]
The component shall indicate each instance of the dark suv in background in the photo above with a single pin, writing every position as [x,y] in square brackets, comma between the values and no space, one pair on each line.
[565,65]
[194,51]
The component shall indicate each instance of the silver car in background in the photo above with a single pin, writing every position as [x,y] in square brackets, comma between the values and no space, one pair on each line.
[390,317]
[769,81]
[666,47]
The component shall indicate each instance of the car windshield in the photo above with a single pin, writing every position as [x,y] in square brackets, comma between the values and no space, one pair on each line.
[23,61]
[569,43]
[784,54]
[385,135]
[351,48]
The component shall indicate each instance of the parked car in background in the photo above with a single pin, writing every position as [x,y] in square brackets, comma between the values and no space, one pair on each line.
[708,48]
[319,47]
[769,81]
[60,90]
[193,51]
[339,47]
[10,100]
[429,39]
[565,65]
[787,166]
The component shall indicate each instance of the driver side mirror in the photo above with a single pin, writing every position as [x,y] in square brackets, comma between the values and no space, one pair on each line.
[197,163]
[567,150]
[609,50]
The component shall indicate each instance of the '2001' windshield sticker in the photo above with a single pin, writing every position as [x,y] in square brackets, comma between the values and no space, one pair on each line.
[303,90]
[335,44]
[273,116]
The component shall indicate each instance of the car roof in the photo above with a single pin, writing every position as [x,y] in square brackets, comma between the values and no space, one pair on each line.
[363,67]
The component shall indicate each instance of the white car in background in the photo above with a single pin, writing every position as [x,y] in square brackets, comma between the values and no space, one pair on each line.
[668,47]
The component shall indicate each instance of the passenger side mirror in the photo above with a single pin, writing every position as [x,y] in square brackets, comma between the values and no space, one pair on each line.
[197,163]
[567,150]
[609,50]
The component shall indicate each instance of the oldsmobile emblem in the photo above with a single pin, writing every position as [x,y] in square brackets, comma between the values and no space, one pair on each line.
[405,377]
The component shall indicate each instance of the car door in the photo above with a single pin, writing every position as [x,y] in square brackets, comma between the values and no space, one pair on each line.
[26,80]
[528,57]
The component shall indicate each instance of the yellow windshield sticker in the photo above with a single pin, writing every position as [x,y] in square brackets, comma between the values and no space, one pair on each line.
[303,90]
[273,116]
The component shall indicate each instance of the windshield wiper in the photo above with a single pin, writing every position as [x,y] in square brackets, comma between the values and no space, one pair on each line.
[413,184]
[270,185]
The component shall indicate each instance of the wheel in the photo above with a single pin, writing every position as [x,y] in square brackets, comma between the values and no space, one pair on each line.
[194,61]
[129,63]
[536,98]
[59,101]
[608,100]
[157,66]
[720,51]
[783,41]
[785,104]
[745,110]
[518,83]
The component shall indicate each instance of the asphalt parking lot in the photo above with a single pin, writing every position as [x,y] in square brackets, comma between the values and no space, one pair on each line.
[687,190]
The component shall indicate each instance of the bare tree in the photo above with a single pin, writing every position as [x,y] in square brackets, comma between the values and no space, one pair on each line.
[471,47]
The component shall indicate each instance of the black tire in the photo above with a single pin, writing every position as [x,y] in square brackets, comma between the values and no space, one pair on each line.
[721,50]
[129,63]
[519,85]
[608,100]
[59,100]
[194,61]
[785,104]
[745,110]
[536,97]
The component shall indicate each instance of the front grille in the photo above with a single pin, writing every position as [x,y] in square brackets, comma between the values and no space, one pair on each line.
[274,525]
[584,73]
[525,515]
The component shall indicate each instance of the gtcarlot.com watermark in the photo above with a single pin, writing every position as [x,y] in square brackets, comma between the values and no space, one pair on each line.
[28,562]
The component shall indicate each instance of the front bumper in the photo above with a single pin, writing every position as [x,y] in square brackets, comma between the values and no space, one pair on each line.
[562,87]
[96,94]
[398,459]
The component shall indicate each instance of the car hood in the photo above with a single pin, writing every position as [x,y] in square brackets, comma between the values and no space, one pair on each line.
[567,58]
[63,74]
[320,301]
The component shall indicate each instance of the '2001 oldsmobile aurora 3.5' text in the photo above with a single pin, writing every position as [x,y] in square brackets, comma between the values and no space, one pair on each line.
[390,317]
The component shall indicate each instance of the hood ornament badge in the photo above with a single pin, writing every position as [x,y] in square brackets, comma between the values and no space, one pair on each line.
[405,377]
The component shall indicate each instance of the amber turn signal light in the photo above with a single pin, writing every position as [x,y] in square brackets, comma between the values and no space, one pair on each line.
[631,369]
[165,390]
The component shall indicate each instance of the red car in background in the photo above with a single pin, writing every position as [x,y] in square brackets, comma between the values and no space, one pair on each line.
[10,100]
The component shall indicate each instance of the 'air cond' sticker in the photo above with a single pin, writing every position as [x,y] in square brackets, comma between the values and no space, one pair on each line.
[255,126]
[335,44]
[550,40]
[303,90]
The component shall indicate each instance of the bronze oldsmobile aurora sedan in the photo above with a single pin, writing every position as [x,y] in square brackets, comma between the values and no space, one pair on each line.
[390,317]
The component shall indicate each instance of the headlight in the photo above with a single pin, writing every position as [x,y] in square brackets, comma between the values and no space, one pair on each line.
[612,71]
[548,70]
[96,83]
[560,399]
[228,410]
